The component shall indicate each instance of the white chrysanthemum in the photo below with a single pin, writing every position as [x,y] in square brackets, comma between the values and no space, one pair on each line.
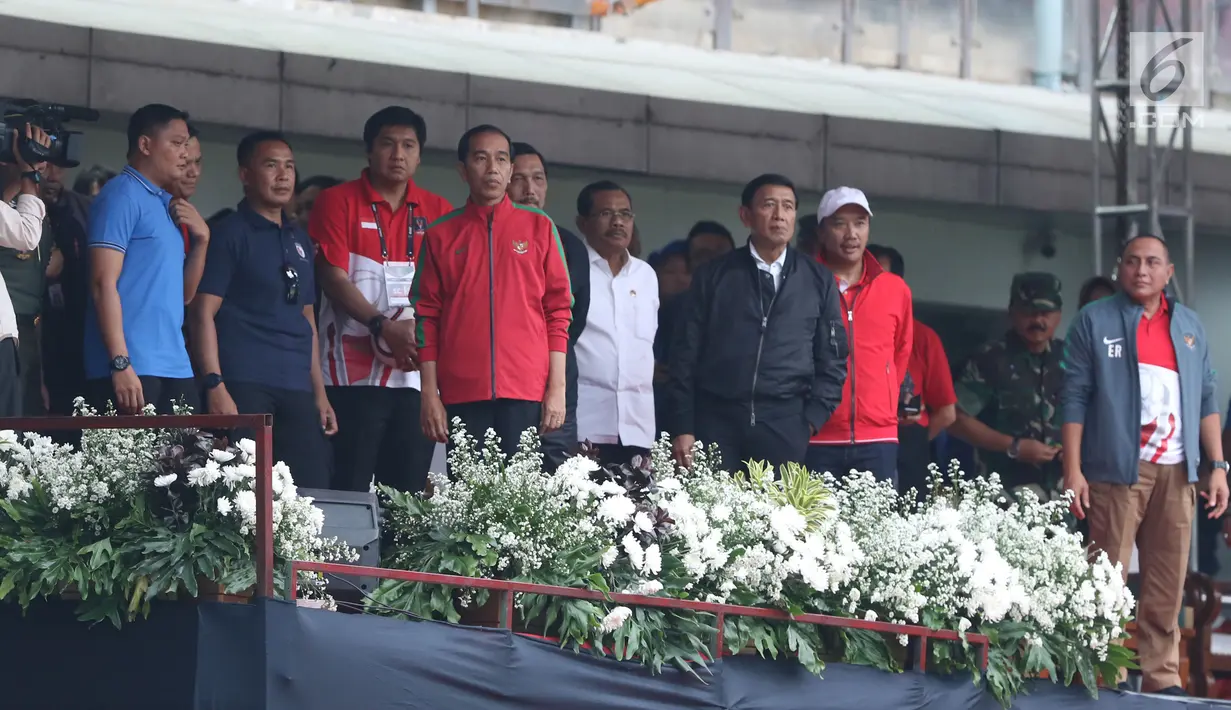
[615,619]
[653,560]
[222,455]
[166,480]
[642,522]
[632,548]
[224,506]
[617,509]
[245,503]
[646,588]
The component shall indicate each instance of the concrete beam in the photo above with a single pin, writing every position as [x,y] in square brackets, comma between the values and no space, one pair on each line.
[601,130]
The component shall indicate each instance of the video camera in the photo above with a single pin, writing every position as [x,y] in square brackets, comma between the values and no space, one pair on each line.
[64,151]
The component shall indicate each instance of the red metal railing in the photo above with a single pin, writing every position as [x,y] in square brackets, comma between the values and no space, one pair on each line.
[506,590]
[262,428]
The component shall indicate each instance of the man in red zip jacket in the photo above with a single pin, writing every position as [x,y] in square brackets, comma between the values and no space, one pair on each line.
[494,304]
[862,434]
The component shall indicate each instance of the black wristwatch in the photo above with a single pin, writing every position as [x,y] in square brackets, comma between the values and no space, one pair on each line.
[1014,448]
[376,325]
[33,176]
[212,380]
[119,363]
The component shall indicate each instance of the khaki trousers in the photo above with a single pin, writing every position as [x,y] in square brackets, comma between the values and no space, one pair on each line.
[1157,513]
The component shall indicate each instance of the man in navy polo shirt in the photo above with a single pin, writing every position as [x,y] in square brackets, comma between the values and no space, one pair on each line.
[140,278]
[254,331]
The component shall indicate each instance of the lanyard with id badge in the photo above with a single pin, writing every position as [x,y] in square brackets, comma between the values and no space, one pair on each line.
[399,275]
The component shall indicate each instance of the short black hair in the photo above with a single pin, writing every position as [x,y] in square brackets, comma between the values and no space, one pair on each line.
[807,241]
[463,143]
[193,131]
[760,181]
[585,198]
[1166,249]
[709,226]
[248,144]
[220,215]
[324,182]
[897,265]
[393,116]
[1093,284]
[148,120]
[87,179]
[520,149]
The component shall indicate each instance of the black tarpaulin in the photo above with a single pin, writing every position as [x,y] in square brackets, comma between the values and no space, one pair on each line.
[314,659]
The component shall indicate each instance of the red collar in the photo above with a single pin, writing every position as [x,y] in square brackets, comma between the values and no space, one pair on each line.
[871,269]
[1164,308]
[484,211]
[370,193]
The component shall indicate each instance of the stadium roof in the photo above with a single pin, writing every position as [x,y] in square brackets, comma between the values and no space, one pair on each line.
[596,61]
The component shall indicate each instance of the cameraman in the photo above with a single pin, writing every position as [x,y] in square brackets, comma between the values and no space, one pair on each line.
[21,228]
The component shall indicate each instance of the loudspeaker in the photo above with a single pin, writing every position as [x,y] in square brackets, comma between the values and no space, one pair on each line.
[353,518]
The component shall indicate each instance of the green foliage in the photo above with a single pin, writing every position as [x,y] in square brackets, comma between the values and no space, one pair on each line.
[114,538]
[795,486]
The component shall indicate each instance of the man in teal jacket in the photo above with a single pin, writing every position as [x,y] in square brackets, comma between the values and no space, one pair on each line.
[1138,406]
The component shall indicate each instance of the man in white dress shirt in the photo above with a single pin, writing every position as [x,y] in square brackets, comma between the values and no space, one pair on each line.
[21,228]
[615,353]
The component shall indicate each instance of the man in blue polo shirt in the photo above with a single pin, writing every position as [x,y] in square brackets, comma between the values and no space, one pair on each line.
[254,331]
[140,277]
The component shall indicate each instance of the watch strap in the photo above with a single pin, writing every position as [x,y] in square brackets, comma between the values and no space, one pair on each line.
[376,325]
[1221,465]
[212,380]
[1014,448]
[33,176]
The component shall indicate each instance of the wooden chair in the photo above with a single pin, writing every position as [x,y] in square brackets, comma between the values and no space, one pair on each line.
[1201,595]
[1197,662]
[1220,642]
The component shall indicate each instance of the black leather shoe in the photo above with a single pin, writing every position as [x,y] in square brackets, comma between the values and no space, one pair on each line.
[1173,690]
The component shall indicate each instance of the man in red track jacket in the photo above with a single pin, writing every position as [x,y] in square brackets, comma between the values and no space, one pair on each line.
[493,302]
[862,434]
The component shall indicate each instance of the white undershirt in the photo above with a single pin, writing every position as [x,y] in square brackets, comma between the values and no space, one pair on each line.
[774,269]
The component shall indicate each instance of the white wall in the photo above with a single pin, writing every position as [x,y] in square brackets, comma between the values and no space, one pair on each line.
[955,254]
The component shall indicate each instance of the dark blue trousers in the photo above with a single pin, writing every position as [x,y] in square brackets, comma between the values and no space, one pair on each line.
[880,458]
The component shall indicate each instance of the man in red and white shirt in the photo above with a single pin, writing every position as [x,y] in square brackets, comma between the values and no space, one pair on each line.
[1136,365]
[369,233]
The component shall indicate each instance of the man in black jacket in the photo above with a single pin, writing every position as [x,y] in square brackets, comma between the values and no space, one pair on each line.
[759,356]
[528,186]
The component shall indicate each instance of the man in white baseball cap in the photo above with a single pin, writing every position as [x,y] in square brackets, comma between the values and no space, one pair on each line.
[862,434]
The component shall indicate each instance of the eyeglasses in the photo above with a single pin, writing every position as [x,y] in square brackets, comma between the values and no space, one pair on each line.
[625,215]
[290,277]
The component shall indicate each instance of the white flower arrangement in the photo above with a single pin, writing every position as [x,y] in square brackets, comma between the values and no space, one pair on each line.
[967,559]
[147,513]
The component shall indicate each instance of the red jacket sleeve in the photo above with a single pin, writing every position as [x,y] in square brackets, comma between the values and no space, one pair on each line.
[557,293]
[329,228]
[937,384]
[425,300]
[905,339]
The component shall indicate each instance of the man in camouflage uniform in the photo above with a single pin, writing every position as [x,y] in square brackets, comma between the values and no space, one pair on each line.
[1008,392]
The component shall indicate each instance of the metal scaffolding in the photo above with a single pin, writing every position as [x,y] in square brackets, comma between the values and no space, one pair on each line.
[1166,207]
[1132,213]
